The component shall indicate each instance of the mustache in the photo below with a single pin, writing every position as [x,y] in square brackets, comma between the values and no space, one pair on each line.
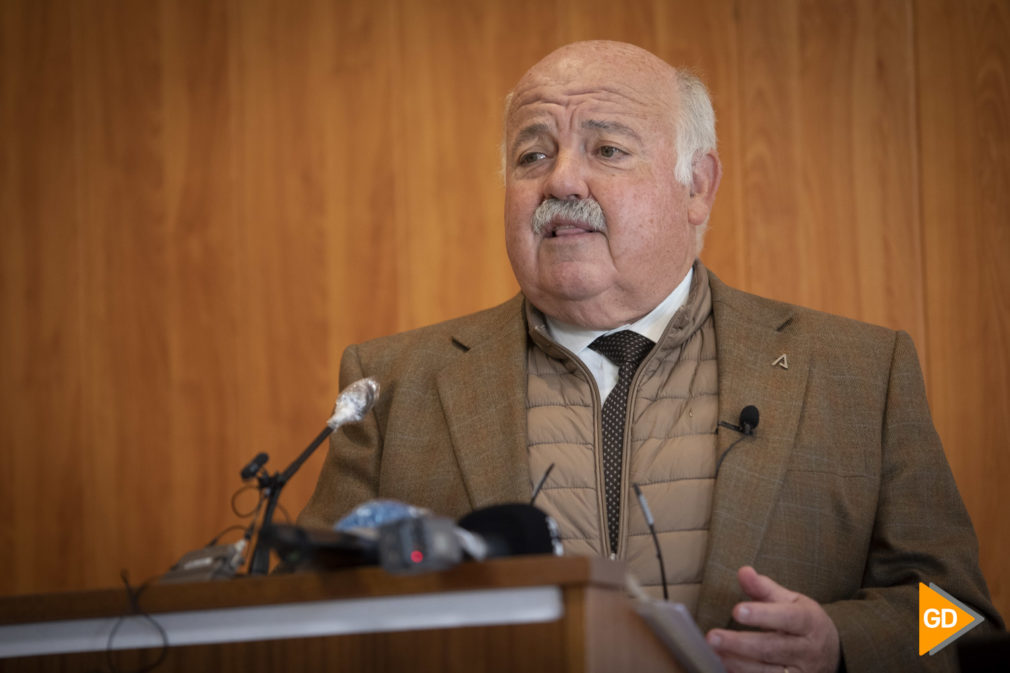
[583,211]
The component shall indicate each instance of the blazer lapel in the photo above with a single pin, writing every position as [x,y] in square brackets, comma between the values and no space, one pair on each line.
[483,396]
[752,336]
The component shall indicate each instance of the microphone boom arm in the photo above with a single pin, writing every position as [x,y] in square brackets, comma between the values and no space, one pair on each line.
[351,406]
[260,563]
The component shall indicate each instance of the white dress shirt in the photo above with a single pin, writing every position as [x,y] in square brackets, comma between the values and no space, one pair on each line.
[652,325]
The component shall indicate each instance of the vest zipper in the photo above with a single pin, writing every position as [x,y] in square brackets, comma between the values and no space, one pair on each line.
[601,500]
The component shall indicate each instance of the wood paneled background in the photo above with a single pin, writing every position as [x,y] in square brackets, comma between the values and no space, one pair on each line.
[202,202]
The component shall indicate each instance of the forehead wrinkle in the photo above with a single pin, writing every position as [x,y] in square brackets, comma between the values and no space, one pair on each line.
[548,93]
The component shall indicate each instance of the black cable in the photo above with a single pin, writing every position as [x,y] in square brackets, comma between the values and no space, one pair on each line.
[133,596]
[251,529]
[729,448]
[236,494]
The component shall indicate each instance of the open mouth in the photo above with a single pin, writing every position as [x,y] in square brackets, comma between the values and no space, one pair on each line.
[560,228]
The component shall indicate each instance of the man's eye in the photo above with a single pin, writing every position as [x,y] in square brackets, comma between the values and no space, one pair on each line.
[610,152]
[530,157]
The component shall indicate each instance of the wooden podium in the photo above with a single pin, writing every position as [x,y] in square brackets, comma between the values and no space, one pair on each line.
[534,613]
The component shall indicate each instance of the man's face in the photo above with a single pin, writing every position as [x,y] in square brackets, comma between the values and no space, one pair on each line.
[582,129]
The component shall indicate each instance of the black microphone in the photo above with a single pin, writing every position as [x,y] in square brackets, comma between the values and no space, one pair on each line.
[655,539]
[250,470]
[540,484]
[514,529]
[749,417]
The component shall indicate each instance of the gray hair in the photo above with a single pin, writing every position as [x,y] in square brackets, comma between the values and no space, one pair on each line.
[695,125]
[695,134]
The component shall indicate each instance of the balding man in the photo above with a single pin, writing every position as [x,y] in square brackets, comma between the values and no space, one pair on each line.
[625,361]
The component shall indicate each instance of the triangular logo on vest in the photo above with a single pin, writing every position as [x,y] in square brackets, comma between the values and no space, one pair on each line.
[781,361]
[942,619]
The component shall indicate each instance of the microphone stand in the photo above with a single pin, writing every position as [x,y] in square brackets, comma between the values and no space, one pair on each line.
[353,403]
[272,485]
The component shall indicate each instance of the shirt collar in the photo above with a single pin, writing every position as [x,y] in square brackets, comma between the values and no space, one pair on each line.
[652,325]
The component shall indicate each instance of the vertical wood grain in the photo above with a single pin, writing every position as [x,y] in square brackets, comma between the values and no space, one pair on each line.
[127,449]
[203,304]
[963,52]
[830,198]
[41,275]
[450,226]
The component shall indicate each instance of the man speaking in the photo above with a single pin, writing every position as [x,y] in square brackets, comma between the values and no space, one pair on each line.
[624,362]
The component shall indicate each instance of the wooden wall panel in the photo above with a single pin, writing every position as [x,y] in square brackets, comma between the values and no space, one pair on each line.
[448,181]
[202,309]
[963,54]
[41,275]
[830,192]
[203,202]
[126,445]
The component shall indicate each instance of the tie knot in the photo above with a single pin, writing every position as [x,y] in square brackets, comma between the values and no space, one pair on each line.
[624,348]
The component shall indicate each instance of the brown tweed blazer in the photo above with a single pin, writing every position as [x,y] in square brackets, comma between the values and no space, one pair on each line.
[843,493]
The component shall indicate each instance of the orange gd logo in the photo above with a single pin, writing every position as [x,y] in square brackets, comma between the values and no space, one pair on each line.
[942,619]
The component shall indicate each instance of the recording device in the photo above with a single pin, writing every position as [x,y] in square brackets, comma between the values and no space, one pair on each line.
[426,544]
[431,543]
[410,539]
[215,562]
[407,539]
[317,549]
[351,406]
[369,516]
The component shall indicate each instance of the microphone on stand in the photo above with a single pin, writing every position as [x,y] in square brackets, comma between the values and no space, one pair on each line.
[250,470]
[352,404]
[540,484]
[651,523]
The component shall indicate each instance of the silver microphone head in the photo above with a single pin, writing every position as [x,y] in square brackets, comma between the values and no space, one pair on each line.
[354,402]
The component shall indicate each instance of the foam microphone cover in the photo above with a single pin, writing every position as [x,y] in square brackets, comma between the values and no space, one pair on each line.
[513,529]
[749,417]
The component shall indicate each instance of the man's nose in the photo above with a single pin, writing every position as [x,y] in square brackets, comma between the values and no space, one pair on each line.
[567,178]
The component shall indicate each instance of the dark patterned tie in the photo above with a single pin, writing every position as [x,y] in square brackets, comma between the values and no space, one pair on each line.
[625,349]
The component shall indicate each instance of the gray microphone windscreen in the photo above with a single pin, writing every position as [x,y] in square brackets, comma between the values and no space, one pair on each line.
[354,402]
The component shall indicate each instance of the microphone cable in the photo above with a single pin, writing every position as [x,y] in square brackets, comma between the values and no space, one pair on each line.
[133,597]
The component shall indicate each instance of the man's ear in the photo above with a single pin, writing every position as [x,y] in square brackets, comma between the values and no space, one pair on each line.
[706,172]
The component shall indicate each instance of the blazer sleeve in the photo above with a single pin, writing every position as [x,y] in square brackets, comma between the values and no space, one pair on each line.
[921,533]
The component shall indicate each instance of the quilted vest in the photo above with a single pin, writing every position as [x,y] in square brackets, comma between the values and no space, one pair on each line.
[669,451]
